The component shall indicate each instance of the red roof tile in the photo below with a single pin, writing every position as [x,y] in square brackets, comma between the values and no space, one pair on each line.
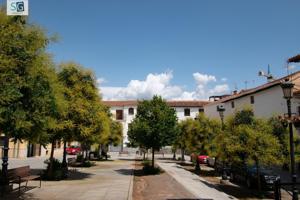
[292,77]
[170,103]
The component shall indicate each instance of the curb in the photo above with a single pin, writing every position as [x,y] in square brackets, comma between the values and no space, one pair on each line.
[130,191]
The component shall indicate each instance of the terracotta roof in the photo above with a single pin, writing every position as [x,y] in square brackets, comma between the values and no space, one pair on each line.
[170,103]
[120,103]
[187,103]
[265,86]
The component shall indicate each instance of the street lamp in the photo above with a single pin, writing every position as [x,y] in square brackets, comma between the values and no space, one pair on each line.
[287,88]
[221,110]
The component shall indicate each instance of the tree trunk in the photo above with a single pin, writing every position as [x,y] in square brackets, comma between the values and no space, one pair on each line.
[197,167]
[258,176]
[182,155]
[174,155]
[86,154]
[50,169]
[5,163]
[152,157]
[144,155]
[64,161]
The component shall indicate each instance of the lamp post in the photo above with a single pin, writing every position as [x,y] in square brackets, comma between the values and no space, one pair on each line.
[221,110]
[287,88]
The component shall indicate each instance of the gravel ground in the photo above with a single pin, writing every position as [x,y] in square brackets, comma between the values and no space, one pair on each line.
[157,187]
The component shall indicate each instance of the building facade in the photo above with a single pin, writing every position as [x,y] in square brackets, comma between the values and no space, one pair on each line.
[27,149]
[266,100]
[125,111]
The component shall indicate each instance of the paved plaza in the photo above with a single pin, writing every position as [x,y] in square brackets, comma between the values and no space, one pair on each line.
[108,180]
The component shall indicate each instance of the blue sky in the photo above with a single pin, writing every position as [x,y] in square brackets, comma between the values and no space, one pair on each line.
[188,49]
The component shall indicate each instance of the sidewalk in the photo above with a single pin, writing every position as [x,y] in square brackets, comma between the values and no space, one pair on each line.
[108,180]
[198,186]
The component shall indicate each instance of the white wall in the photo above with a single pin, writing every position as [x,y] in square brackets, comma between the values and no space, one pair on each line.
[180,112]
[127,119]
[267,103]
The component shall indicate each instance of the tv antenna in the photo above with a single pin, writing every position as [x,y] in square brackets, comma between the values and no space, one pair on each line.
[268,75]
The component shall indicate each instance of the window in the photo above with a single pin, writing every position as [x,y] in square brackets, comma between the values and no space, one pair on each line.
[232,104]
[252,99]
[201,110]
[187,112]
[119,114]
[131,111]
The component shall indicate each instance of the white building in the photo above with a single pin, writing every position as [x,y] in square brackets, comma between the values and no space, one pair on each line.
[125,111]
[265,100]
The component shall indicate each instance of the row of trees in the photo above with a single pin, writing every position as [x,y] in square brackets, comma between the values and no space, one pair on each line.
[243,138]
[42,102]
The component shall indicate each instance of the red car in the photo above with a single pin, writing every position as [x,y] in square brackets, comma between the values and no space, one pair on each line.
[73,150]
[203,159]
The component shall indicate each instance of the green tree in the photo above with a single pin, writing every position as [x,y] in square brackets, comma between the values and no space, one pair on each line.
[29,95]
[116,133]
[91,123]
[249,140]
[154,125]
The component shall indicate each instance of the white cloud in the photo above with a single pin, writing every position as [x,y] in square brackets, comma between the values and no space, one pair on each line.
[224,79]
[203,79]
[160,84]
[100,80]
[219,89]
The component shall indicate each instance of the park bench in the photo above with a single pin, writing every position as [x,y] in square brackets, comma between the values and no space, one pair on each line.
[21,174]
[72,164]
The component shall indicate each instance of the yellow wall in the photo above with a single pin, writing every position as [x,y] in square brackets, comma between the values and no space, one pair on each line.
[19,150]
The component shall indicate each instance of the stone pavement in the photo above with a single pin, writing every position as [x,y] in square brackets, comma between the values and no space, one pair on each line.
[108,180]
[198,186]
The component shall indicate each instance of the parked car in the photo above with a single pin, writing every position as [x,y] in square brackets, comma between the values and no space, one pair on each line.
[247,175]
[73,150]
[203,159]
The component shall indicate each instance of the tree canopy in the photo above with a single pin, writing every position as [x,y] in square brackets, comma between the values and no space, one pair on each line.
[154,125]
[30,94]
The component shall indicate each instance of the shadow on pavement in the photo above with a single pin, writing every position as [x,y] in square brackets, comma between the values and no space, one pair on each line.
[77,175]
[15,194]
[237,191]
[233,190]
[127,172]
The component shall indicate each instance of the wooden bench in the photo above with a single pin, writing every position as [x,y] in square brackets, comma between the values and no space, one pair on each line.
[72,164]
[21,174]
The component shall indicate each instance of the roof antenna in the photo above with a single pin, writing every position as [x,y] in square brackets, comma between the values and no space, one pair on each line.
[246,84]
[235,87]
[269,76]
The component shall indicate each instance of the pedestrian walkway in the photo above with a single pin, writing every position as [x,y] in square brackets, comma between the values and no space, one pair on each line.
[198,186]
[108,180]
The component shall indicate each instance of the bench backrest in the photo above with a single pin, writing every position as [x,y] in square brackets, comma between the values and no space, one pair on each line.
[18,172]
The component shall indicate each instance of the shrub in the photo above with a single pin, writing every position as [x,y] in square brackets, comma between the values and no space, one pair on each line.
[79,158]
[148,169]
[87,164]
[57,170]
